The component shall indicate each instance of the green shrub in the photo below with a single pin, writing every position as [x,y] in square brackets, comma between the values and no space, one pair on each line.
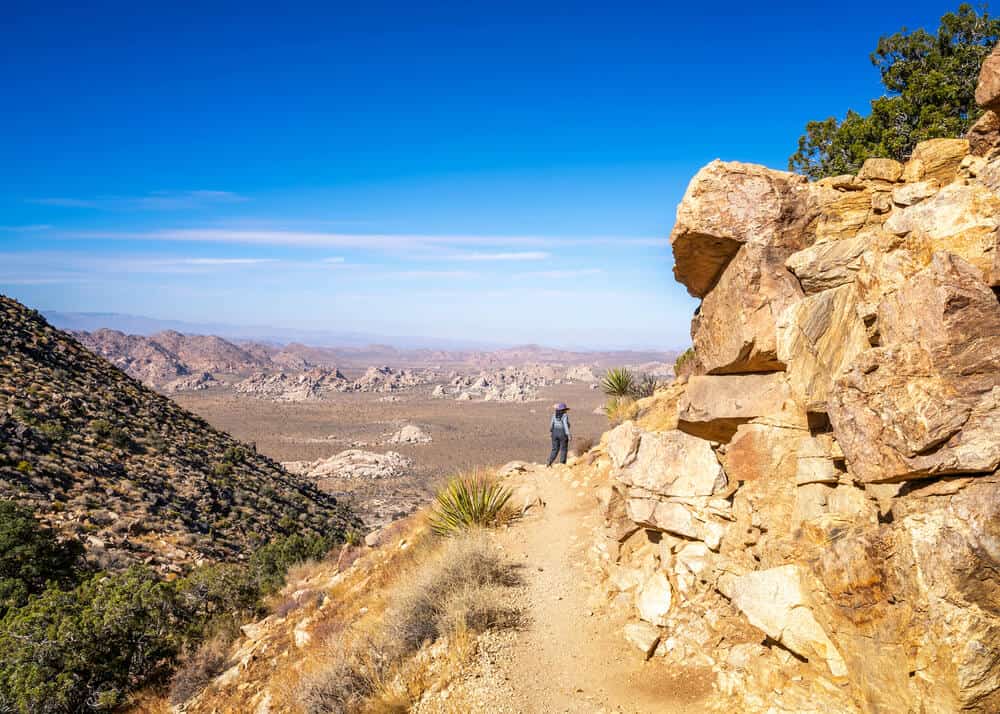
[83,649]
[31,557]
[85,646]
[469,501]
[23,467]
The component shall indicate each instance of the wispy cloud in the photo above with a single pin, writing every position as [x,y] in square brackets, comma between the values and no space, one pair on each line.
[558,274]
[336,260]
[32,228]
[491,257]
[221,261]
[153,201]
[363,241]
[446,274]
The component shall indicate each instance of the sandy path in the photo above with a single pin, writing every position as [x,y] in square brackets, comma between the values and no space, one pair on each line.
[568,658]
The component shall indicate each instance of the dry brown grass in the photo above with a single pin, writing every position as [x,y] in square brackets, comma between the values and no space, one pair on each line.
[659,412]
[454,590]
[198,668]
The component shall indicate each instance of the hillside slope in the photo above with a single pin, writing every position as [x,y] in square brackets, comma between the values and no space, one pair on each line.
[136,477]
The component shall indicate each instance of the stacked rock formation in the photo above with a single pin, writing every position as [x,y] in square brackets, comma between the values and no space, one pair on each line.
[831,488]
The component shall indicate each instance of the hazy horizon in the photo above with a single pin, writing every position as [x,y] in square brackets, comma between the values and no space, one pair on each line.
[451,171]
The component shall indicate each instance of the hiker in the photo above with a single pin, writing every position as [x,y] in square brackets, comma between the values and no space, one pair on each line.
[559,427]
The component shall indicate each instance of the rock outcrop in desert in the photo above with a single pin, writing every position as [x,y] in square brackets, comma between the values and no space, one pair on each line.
[831,480]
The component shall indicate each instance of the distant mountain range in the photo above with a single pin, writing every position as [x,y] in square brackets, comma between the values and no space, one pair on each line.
[171,361]
[139,325]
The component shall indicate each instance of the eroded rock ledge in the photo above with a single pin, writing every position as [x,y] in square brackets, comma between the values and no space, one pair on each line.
[823,524]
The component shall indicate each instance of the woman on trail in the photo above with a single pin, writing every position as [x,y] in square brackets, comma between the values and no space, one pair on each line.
[559,427]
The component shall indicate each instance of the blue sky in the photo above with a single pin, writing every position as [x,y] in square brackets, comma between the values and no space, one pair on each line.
[503,172]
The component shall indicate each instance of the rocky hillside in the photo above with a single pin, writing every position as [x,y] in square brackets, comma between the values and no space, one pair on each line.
[169,361]
[136,477]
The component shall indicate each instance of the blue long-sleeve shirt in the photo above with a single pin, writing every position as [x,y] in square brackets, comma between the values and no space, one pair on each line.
[560,422]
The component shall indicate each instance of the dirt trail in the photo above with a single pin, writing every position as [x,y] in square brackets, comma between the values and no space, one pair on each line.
[570,658]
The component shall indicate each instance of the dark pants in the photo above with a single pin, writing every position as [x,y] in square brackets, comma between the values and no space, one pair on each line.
[560,445]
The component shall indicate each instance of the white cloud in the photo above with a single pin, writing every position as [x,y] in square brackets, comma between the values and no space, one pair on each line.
[153,201]
[489,257]
[26,229]
[559,274]
[222,261]
[337,259]
[362,241]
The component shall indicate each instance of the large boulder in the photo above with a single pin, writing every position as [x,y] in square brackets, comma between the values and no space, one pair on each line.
[818,338]
[824,266]
[912,604]
[673,464]
[774,601]
[728,204]
[928,402]
[714,406]
[984,135]
[937,159]
[960,218]
[762,451]
[988,88]
[734,330]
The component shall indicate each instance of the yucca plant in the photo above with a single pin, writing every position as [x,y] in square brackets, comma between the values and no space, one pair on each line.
[468,501]
[618,383]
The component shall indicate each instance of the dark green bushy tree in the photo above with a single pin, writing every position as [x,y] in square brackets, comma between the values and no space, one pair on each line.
[31,557]
[930,82]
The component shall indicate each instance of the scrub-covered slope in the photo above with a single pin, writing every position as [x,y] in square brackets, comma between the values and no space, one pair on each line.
[133,475]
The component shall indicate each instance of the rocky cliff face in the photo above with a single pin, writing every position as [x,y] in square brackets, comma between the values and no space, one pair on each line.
[821,527]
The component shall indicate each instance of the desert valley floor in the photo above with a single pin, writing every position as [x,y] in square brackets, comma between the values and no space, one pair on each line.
[465,434]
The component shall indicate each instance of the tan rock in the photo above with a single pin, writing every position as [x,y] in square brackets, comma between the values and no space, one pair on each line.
[818,338]
[653,599]
[928,402]
[913,193]
[936,159]
[817,460]
[984,135]
[725,206]
[911,596]
[881,170]
[623,443]
[668,516]
[946,303]
[734,330]
[773,600]
[760,451]
[674,464]
[643,636]
[988,88]
[827,265]
[845,216]
[888,263]
[961,219]
[715,405]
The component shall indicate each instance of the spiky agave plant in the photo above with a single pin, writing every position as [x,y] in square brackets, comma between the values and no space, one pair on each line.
[618,383]
[467,501]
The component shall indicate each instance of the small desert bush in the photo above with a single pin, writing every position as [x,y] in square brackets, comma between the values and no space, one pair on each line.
[461,587]
[467,501]
[645,386]
[583,444]
[196,669]
[619,409]
[455,591]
